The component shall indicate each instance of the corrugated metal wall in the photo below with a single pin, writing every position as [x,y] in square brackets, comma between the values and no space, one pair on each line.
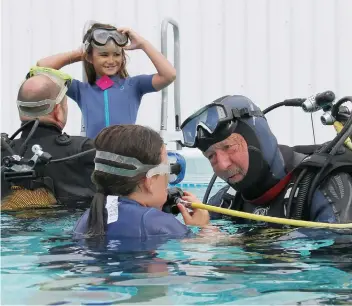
[269,50]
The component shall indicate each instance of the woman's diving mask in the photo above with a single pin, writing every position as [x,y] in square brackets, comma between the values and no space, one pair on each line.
[100,36]
[116,164]
[45,106]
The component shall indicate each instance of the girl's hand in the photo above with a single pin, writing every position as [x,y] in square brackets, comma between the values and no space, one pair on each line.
[197,217]
[190,197]
[137,41]
[80,52]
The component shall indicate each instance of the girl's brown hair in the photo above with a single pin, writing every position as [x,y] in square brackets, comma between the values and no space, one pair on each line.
[130,140]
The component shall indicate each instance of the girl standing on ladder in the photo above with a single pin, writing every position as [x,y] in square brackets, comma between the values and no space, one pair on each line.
[111,96]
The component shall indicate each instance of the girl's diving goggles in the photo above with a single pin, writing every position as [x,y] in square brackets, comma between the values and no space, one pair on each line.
[100,37]
[210,119]
[120,165]
[45,107]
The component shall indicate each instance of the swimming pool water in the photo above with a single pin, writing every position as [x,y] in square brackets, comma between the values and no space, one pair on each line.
[41,265]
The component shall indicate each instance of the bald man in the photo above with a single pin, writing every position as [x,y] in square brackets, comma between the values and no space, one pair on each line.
[43,96]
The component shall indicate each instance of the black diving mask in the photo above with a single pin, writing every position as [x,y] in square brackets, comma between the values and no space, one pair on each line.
[213,123]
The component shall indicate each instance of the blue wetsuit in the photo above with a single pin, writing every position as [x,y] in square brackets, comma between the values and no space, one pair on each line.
[129,219]
[108,104]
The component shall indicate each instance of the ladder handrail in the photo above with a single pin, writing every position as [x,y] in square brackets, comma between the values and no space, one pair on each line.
[164,93]
[86,27]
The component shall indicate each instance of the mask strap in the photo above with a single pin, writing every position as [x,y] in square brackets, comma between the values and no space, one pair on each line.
[102,156]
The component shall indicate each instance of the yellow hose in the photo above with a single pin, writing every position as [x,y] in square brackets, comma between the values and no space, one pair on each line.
[338,127]
[241,214]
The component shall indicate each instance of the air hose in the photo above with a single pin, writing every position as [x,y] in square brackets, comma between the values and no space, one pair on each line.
[302,195]
[23,147]
[282,221]
[60,160]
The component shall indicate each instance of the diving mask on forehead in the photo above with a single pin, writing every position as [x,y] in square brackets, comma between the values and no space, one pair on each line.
[46,106]
[116,164]
[213,123]
[100,36]
[110,46]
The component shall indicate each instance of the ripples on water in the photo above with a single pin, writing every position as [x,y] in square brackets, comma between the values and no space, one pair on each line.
[40,264]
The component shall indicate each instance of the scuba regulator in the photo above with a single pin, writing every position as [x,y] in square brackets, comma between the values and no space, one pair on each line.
[324,161]
[178,170]
[174,194]
[21,171]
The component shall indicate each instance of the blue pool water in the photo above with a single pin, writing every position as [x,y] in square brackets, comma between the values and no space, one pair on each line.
[41,265]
